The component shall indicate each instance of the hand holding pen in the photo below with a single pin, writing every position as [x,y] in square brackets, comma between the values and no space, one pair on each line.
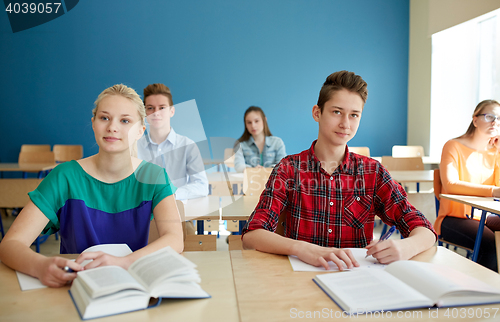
[386,236]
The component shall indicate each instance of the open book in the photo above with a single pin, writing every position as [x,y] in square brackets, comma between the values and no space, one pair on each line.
[111,290]
[404,285]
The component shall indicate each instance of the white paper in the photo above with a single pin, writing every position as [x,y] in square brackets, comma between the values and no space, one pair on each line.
[359,254]
[27,282]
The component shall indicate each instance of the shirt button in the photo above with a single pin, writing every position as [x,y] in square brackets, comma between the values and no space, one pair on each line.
[331,203]
[329,231]
[357,198]
[331,178]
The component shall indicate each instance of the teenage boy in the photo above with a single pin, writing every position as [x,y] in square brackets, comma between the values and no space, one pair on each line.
[176,153]
[330,196]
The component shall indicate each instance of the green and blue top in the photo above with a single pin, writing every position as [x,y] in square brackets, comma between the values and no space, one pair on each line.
[89,212]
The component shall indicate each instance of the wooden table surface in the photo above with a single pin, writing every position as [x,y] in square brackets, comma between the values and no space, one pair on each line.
[26,167]
[54,304]
[204,208]
[412,176]
[485,203]
[240,209]
[269,290]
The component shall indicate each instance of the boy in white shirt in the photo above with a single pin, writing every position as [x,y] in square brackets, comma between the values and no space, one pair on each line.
[176,153]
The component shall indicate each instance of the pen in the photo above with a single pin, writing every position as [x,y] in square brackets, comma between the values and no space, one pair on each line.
[496,199]
[67,269]
[386,236]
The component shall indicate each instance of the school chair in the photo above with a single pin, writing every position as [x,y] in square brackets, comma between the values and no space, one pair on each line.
[254,180]
[403,164]
[35,147]
[361,150]
[407,151]
[27,157]
[229,157]
[14,194]
[191,242]
[437,191]
[63,153]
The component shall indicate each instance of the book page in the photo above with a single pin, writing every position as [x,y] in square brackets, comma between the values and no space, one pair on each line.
[370,290]
[106,280]
[159,265]
[437,281]
[359,255]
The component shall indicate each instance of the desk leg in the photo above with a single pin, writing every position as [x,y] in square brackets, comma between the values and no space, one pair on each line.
[479,234]
[201,228]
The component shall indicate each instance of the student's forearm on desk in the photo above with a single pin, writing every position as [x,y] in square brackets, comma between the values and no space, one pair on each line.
[20,257]
[420,239]
[174,242]
[269,242]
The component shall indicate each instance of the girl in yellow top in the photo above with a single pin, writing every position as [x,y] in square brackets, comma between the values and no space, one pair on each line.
[470,165]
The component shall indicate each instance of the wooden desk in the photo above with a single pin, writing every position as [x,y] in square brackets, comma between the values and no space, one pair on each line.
[26,167]
[412,176]
[55,304]
[219,183]
[201,209]
[269,290]
[485,204]
[239,209]
[430,163]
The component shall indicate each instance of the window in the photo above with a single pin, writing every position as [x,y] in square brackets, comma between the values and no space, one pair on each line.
[465,65]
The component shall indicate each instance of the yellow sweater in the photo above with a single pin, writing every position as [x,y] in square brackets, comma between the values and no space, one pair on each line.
[465,171]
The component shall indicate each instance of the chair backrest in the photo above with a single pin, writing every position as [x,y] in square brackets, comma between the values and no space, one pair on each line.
[402,164]
[254,180]
[361,150]
[37,157]
[437,189]
[437,183]
[229,157]
[65,153]
[35,147]
[14,192]
[407,151]
[191,242]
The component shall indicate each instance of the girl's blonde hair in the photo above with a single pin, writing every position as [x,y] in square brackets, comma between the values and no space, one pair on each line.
[128,93]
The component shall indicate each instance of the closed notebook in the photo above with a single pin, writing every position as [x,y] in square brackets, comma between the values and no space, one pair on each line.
[112,290]
[405,285]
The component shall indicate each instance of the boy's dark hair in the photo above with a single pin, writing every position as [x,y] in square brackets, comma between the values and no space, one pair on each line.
[342,80]
[155,89]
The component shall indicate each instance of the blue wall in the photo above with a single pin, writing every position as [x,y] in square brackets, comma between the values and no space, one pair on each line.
[227,55]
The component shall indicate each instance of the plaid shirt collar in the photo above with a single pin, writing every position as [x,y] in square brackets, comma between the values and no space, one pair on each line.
[348,165]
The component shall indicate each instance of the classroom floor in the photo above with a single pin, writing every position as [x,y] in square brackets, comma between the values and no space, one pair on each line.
[424,201]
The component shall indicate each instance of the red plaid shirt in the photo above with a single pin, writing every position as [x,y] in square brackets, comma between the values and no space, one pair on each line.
[336,210]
